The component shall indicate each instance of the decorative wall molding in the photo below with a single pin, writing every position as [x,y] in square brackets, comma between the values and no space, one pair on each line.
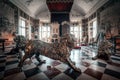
[65,22]
[97,6]
[22,7]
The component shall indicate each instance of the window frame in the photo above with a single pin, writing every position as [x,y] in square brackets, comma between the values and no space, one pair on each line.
[22,27]
[43,31]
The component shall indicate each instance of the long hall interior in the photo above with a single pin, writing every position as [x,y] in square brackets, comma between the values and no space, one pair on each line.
[59,39]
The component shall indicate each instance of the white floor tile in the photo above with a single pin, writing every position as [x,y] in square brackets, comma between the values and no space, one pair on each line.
[62,76]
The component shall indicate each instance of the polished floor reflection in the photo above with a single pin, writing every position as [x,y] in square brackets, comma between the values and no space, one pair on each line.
[56,70]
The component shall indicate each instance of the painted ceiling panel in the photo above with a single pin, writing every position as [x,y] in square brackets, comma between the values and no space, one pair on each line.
[59,7]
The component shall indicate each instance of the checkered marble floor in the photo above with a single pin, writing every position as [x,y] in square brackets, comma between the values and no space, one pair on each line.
[56,70]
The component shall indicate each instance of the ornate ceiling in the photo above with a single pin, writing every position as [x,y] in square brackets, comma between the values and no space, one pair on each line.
[42,9]
[58,6]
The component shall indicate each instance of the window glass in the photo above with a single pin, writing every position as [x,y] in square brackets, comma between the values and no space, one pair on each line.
[76,30]
[22,30]
[44,32]
[94,29]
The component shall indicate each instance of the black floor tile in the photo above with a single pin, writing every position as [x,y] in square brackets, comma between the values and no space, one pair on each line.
[32,72]
[100,64]
[115,59]
[2,56]
[11,71]
[11,62]
[2,61]
[112,73]
[2,68]
[71,73]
